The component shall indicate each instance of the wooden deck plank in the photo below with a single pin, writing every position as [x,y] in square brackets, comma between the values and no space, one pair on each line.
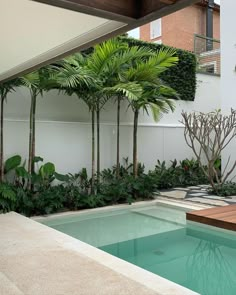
[231,219]
[206,212]
[223,217]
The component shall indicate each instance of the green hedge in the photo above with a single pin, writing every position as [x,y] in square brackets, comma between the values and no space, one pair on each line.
[182,77]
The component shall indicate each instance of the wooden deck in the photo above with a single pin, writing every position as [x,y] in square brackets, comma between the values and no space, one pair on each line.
[223,217]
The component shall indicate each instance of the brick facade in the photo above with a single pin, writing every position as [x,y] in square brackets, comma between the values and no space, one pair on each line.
[178,28]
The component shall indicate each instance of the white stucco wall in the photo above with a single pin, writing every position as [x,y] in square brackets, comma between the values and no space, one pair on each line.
[63,129]
[228,67]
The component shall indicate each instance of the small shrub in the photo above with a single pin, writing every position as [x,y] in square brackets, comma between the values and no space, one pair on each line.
[25,204]
[92,201]
[188,172]
[49,200]
[74,191]
[225,190]
[8,198]
[116,190]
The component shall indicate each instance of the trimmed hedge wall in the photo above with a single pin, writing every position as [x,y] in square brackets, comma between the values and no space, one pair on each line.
[181,77]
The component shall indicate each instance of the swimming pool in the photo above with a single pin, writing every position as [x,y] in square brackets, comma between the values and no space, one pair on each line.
[157,239]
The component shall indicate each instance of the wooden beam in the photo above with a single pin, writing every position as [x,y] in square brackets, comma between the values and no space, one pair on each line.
[126,11]
[168,1]
[118,10]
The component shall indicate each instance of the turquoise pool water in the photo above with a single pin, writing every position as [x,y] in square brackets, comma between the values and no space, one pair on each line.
[157,239]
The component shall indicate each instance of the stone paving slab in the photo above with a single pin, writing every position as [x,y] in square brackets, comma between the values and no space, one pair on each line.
[213,197]
[201,194]
[208,201]
[181,189]
[176,194]
[198,194]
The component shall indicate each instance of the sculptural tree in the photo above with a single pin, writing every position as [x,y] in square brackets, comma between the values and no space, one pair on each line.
[208,134]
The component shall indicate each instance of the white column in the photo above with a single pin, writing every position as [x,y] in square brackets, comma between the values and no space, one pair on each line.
[228,67]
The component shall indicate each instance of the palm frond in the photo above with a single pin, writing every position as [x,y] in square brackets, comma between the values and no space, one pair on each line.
[102,54]
[31,80]
[130,90]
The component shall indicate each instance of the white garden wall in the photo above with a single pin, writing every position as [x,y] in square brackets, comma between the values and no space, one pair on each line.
[228,68]
[63,129]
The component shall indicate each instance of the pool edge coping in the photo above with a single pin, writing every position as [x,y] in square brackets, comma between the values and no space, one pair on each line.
[162,200]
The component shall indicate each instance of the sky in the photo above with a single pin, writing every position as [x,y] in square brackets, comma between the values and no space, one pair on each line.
[217,1]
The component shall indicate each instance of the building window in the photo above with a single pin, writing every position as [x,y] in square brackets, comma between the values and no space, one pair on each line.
[210,67]
[155,30]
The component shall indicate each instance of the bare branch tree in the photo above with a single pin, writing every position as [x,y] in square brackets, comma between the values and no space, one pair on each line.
[207,135]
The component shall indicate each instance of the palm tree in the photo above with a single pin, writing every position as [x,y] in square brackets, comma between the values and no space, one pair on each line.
[73,76]
[5,89]
[100,63]
[119,63]
[152,95]
[36,82]
[87,76]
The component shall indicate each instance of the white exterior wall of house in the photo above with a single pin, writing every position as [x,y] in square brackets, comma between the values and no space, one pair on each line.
[228,67]
[63,129]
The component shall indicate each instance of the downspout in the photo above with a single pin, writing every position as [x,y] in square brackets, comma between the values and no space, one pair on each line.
[209,25]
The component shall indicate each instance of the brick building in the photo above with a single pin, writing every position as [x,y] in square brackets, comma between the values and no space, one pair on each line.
[190,29]
[178,29]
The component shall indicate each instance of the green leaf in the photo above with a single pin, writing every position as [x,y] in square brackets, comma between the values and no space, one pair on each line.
[21,172]
[47,170]
[37,159]
[12,163]
[7,192]
[61,177]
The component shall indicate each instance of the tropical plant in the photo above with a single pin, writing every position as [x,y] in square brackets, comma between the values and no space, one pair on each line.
[36,82]
[7,197]
[73,76]
[187,172]
[151,94]
[225,190]
[87,76]
[103,62]
[5,89]
[122,61]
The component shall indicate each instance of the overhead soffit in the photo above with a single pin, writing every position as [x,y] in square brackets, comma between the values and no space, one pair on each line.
[34,33]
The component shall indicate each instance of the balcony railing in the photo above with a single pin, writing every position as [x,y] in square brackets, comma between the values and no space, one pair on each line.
[208,55]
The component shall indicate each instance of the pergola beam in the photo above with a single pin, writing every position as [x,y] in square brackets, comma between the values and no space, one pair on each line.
[118,10]
[126,11]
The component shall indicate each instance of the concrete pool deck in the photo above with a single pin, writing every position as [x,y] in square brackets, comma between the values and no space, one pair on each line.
[38,260]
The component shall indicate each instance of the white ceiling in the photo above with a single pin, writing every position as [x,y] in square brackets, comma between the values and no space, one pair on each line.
[32,33]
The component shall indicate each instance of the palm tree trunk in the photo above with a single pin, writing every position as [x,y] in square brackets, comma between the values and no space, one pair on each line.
[118,140]
[98,144]
[1,142]
[31,138]
[30,134]
[135,148]
[33,134]
[93,152]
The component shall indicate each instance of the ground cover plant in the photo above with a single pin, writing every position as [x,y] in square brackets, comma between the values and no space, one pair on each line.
[52,192]
[225,190]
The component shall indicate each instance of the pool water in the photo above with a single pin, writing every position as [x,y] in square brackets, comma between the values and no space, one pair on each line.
[157,239]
